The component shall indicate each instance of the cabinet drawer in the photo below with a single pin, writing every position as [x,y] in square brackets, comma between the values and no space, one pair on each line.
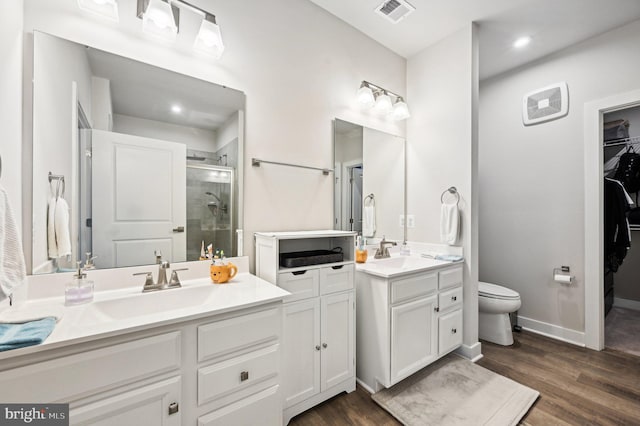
[237,374]
[69,378]
[450,298]
[225,336]
[263,408]
[449,331]
[301,284]
[450,277]
[336,278]
[418,285]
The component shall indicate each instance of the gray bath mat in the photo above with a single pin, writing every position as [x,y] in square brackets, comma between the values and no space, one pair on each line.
[455,391]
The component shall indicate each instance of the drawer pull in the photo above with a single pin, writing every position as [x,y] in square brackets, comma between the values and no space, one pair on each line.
[454,298]
[437,309]
[299,272]
[324,345]
[244,376]
[173,408]
[317,347]
[337,267]
[454,330]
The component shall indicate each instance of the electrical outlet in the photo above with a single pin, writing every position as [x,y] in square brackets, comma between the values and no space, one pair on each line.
[411,221]
[401,221]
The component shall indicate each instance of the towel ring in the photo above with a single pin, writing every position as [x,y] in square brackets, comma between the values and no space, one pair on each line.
[60,179]
[452,191]
[371,198]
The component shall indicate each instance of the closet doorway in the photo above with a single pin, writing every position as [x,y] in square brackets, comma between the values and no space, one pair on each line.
[610,270]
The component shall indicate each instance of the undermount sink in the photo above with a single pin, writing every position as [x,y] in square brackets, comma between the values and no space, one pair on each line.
[143,304]
[399,265]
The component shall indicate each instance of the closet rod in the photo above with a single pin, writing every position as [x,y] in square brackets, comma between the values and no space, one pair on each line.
[256,163]
[625,141]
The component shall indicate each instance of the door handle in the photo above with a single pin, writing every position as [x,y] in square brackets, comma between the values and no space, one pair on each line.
[179,229]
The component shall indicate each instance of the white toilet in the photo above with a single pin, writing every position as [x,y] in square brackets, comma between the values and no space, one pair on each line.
[495,303]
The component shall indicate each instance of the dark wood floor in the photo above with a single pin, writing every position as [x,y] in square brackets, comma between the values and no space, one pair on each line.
[577,386]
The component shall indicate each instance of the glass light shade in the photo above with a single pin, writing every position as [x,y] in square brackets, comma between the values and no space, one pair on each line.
[209,39]
[400,110]
[105,8]
[365,97]
[383,104]
[158,20]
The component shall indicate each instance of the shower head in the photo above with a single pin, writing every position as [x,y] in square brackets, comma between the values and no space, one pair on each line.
[214,196]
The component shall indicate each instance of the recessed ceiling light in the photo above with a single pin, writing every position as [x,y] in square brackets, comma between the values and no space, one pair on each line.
[522,42]
[176,108]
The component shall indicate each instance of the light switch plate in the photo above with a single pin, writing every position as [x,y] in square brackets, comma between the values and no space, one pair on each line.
[411,221]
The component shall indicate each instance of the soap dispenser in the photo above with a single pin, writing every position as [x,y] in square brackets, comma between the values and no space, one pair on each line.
[79,289]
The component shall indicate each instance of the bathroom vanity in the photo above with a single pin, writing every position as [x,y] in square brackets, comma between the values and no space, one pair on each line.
[409,315]
[319,315]
[203,354]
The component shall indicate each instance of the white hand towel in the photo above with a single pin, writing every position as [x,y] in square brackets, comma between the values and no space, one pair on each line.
[52,245]
[369,221]
[12,267]
[63,238]
[449,223]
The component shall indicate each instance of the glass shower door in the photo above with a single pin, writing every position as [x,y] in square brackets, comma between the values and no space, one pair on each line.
[210,209]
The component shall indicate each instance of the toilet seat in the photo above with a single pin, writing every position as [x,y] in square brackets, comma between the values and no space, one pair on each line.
[493,291]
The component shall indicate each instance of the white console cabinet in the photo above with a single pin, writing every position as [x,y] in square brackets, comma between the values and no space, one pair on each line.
[319,316]
[405,323]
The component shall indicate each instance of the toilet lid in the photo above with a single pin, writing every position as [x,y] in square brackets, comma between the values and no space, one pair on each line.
[496,291]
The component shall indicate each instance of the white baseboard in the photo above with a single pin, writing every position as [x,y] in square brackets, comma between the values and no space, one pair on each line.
[471,352]
[554,331]
[626,303]
[365,386]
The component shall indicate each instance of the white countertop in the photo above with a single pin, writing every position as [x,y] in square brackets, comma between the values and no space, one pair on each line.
[398,265]
[127,310]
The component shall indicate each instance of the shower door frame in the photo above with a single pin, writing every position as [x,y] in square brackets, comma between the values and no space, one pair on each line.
[234,221]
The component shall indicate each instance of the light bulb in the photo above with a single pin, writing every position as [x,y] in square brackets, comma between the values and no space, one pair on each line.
[209,39]
[383,104]
[158,20]
[365,96]
[522,42]
[400,110]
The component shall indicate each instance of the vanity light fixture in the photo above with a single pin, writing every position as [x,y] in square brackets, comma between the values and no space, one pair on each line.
[380,100]
[105,8]
[162,17]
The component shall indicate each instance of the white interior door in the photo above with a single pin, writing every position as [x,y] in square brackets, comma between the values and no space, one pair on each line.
[139,199]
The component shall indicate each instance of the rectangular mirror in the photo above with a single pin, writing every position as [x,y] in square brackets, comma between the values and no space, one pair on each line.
[140,159]
[369,181]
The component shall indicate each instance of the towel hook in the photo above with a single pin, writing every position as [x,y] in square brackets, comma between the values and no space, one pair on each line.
[452,190]
[371,198]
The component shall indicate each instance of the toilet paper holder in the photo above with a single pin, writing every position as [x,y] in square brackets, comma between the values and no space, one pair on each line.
[563,275]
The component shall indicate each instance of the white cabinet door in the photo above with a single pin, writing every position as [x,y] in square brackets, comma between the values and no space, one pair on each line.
[144,406]
[413,337]
[301,351]
[337,333]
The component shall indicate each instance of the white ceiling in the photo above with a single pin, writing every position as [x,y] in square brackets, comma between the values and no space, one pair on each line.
[148,92]
[553,24]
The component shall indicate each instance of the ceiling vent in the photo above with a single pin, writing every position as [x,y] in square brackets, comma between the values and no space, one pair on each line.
[545,104]
[395,10]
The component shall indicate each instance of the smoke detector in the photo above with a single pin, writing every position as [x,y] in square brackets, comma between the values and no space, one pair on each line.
[394,10]
[545,104]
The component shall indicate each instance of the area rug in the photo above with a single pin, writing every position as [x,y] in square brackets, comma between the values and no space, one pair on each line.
[455,391]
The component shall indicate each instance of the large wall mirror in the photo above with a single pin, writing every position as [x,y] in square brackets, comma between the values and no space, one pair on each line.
[369,181]
[140,159]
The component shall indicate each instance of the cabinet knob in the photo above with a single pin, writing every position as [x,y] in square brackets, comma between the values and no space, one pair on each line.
[437,309]
[454,298]
[454,330]
[324,345]
[173,408]
[244,376]
[317,347]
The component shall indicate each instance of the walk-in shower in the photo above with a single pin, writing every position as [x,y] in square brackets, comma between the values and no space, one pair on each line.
[210,212]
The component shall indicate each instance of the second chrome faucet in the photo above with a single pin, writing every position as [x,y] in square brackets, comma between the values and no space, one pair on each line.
[162,283]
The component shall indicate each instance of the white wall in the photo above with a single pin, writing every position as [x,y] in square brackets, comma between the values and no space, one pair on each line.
[11,102]
[59,64]
[228,132]
[532,178]
[199,139]
[101,104]
[299,67]
[442,84]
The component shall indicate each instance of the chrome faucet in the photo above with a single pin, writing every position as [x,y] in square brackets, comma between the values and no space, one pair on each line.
[383,251]
[162,283]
